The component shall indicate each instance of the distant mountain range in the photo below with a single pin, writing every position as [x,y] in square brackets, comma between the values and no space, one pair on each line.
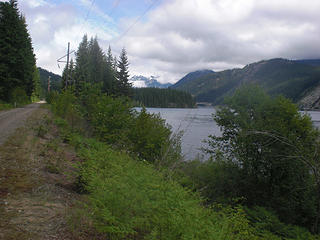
[295,79]
[142,81]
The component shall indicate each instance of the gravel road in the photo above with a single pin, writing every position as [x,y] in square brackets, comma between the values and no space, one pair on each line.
[12,119]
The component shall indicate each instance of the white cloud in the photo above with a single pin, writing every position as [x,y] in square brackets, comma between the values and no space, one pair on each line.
[53,26]
[180,36]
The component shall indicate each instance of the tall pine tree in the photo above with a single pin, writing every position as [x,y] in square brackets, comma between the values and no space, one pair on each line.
[125,87]
[109,81]
[82,64]
[16,53]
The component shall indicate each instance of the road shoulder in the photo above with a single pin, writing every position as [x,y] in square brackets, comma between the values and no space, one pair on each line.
[36,181]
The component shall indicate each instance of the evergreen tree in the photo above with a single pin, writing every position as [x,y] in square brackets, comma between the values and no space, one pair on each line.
[36,83]
[109,81]
[125,87]
[97,61]
[82,64]
[68,75]
[16,53]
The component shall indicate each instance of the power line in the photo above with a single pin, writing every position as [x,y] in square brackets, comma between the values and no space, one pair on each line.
[88,13]
[138,19]
[114,7]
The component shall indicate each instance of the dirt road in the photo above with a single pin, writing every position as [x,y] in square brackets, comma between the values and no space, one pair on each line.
[12,119]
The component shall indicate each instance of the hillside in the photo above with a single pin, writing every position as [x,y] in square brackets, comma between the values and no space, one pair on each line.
[55,82]
[292,79]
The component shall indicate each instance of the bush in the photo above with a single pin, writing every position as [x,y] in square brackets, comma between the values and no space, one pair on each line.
[19,97]
[5,106]
[266,222]
[149,134]
[272,145]
[51,97]
[129,198]
[217,180]
[65,105]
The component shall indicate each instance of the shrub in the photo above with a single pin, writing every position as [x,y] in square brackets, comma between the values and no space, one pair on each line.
[149,135]
[129,199]
[19,97]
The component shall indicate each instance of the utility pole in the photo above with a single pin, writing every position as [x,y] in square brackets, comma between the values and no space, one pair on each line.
[67,62]
[49,78]
[68,65]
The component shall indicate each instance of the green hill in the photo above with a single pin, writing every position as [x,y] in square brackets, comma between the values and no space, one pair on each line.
[292,79]
[55,81]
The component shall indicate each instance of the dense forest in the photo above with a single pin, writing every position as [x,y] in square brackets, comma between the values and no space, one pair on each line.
[163,98]
[19,76]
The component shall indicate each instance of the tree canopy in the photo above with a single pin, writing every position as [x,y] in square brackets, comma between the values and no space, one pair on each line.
[17,61]
[163,97]
[271,145]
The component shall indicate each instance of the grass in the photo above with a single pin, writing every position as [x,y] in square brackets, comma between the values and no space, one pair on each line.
[5,106]
[36,182]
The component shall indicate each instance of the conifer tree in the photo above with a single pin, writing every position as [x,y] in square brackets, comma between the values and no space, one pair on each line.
[82,64]
[36,83]
[125,87]
[68,75]
[16,53]
[109,81]
[97,61]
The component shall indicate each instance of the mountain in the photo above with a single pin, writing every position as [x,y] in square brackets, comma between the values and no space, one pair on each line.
[190,77]
[55,81]
[141,82]
[293,79]
[313,62]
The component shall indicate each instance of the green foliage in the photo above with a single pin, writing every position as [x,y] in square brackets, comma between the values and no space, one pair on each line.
[5,106]
[18,97]
[17,60]
[163,97]
[110,118]
[270,143]
[149,134]
[55,82]
[124,85]
[266,222]
[65,106]
[50,97]
[217,180]
[93,66]
[36,83]
[129,199]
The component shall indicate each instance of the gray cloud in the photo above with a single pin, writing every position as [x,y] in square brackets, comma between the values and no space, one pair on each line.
[180,36]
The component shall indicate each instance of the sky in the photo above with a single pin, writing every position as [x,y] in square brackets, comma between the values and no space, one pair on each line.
[170,38]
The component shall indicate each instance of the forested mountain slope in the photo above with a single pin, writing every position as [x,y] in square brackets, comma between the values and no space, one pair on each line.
[55,81]
[292,79]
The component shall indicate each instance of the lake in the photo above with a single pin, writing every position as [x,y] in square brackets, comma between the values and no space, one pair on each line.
[197,124]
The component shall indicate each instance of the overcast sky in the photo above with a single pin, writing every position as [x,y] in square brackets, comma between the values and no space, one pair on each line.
[169,38]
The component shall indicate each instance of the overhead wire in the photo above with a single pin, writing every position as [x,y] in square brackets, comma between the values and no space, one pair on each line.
[88,13]
[138,19]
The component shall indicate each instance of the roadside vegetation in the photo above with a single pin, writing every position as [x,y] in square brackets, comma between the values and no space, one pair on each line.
[19,76]
[137,186]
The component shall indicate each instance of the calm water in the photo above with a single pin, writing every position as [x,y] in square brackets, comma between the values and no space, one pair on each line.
[197,124]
